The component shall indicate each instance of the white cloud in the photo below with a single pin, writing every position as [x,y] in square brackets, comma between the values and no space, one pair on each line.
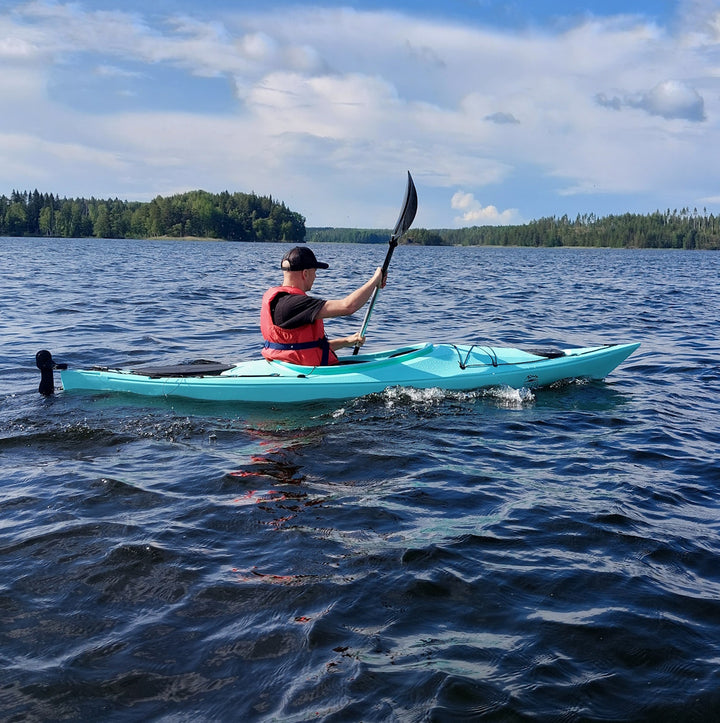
[258,46]
[112,71]
[669,99]
[16,49]
[48,161]
[475,214]
[700,23]
[674,99]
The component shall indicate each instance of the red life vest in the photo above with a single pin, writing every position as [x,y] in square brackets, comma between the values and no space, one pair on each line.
[306,345]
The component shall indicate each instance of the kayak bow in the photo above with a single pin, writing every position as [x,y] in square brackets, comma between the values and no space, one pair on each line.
[445,366]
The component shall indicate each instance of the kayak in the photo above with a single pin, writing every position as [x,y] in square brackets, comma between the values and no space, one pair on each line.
[445,366]
[451,367]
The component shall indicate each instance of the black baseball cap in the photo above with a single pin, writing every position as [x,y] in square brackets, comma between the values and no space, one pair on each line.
[299,258]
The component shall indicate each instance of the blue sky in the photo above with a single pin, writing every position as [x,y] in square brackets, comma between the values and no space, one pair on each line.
[503,111]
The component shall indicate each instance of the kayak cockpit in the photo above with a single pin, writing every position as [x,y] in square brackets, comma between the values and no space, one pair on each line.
[361,361]
[406,352]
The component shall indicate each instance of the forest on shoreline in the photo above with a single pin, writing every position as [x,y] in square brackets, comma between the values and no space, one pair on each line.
[248,217]
[231,217]
[682,229]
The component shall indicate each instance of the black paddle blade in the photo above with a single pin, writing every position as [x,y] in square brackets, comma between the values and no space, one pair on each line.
[409,209]
[44,362]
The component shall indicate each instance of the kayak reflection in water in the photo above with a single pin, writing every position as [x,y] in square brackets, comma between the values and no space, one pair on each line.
[292,322]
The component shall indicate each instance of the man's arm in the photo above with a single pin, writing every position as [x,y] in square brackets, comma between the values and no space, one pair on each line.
[353,301]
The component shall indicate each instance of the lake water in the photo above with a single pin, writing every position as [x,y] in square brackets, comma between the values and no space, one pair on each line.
[409,556]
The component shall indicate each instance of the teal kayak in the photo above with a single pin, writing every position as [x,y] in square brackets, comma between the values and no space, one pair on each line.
[422,366]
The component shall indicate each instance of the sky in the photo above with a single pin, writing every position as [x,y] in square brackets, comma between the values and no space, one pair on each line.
[503,111]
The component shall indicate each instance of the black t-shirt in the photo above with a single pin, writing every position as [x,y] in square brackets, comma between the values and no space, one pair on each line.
[289,311]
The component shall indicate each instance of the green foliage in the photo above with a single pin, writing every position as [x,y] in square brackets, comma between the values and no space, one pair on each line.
[248,217]
[348,235]
[235,217]
[668,230]
[420,236]
[423,237]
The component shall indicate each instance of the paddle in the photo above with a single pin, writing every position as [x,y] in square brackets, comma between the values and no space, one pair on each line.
[409,209]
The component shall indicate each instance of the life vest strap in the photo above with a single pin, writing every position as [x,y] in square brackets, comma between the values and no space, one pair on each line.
[298,346]
[293,347]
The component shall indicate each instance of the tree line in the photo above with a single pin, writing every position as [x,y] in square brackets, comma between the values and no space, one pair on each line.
[233,217]
[684,229]
[420,236]
[248,217]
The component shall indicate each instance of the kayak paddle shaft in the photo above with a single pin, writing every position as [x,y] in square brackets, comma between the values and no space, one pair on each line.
[407,215]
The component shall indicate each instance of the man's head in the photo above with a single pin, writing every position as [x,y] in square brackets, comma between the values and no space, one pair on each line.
[299,265]
[299,259]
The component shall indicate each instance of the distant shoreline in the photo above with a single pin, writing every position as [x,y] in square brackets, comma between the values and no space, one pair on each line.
[362,243]
[247,218]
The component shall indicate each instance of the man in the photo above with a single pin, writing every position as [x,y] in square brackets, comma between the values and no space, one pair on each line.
[292,322]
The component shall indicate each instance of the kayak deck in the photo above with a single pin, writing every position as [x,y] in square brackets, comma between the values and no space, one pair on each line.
[446,366]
